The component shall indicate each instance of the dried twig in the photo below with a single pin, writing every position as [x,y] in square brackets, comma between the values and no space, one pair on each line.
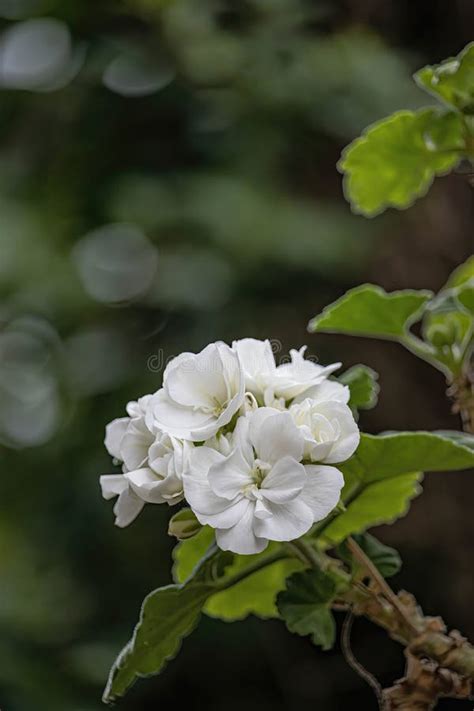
[354,663]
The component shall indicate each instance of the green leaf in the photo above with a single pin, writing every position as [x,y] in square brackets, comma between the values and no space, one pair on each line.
[363,386]
[386,559]
[395,160]
[375,503]
[383,476]
[463,273]
[394,453]
[464,438]
[368,310]
[305,606]
[167,616]
[452,81]
[255,595]
[184,524]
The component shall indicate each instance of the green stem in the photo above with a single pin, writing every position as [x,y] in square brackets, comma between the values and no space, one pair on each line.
[307,552]
[319,528]
[251,569]
[425,352]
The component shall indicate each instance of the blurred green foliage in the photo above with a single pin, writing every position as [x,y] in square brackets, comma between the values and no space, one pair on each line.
[167,178]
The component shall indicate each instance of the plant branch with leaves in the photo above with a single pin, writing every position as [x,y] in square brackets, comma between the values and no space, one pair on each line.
[280,485]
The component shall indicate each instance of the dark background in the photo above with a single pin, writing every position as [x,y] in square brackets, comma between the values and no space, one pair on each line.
[201,139]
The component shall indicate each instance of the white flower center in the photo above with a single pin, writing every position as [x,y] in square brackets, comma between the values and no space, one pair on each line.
[215,408]
[258,473]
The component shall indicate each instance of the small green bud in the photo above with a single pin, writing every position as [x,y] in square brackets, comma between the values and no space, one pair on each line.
[183,525]
[443,329]
[441,335]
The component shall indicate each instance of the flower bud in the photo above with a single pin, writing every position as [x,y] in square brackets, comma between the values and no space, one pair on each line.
[183,525]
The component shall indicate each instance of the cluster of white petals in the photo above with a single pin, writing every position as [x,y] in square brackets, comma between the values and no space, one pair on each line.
[248,444]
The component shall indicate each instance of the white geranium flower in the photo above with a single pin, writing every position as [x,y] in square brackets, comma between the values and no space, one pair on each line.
[273,384]
[153,464]
[290,380]
[128,439]
[200,394]
[261,491]
[168,457]
[330,432]
[159,482]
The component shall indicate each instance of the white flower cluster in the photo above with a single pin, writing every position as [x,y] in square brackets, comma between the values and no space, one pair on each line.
[246,442]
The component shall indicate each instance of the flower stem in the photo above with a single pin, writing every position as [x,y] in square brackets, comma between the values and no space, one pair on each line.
[306,552]
[259,564]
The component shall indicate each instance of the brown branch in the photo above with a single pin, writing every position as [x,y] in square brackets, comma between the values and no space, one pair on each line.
[423,685]
[380,582]
[438,664]
[461,392]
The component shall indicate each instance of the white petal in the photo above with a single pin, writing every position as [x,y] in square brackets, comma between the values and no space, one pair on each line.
[146,485]
[343,448]
[287,522]
[221,443]
[133,409]
[343,423]
[284,482]
[174,362]
[138,408]
[241,538]
[201,498]
[278,437]
[320,451]
[254,355]
[201,460]
[171,489]
[323,489]
[127,508]
[241,439]
[325,391]
[261,509]
[256,420]
[159,453]
[114,433]
[232,369]
[256,358]
[197,491]
[293,379]
[229,516]
[181,421]
[112,485]
[198,381]
[135,444]
[228,477]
